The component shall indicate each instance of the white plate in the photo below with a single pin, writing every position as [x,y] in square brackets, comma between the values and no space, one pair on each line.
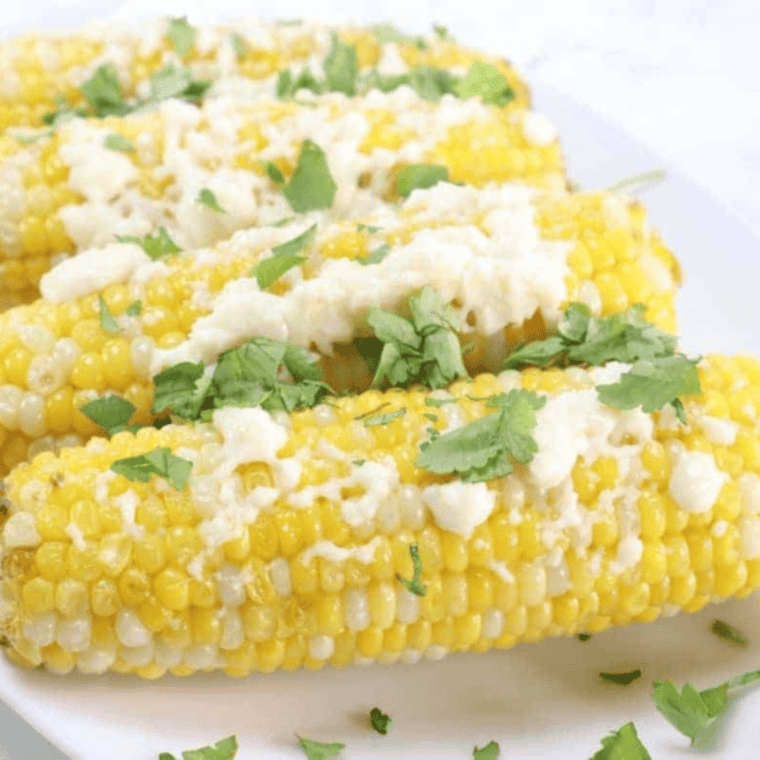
[538,700]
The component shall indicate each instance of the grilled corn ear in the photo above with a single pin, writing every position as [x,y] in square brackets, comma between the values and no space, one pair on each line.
[291,545]
[508,258]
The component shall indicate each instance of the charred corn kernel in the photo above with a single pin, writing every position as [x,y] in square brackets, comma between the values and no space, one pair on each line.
[198,599]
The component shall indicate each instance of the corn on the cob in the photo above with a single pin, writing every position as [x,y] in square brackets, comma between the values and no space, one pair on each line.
[40,70]
[69,191]
[285,548]
[507,257]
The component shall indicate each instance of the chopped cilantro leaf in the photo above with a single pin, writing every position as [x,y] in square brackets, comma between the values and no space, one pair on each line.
[486,81]
[380,721]
[103,92]
[439,402]
[483,449]
[284,221]
[489,752]
[269,270]
[623,744]
[118,142]
[160,462]
[376,256]
[383,419]
[622,678]
[288,85]
[729,633]
[285,257]
[583,637]
[181,388]
[420,177]
[414,586]
[207,198]
[318,751]
[652,384]
[226,749]
[368,228]
[29,139]
[108,322]
[311,186]
[358,462]
[425,349]
[691,711]
[134,309]
[238,44]
[341,67]
[156,246]
[112,413]
[441,32]
[430,82]
[182,35]
[273,172]
[173,82]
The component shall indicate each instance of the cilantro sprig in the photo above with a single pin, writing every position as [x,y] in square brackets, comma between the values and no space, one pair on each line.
[420,177]
[108,322]
[658,377]
[623,744]
[112,413]
[226,749]
[691,711]
[207,198]
[182,35]
[248,375]
[160,461]
[118,142]
[424,349]
[486,81]
[486,448]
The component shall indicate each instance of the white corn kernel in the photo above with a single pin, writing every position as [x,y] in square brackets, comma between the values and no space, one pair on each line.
[74,633]
[356,609]
[131,631]
[137,657]
[31,415]
[21,530]
[200,656]
[66,353]
[167,656]
[11,397]
[230,584]
[96,660]
[493,623]
[44,375]
[233,633]
[279,572]
[40,630]
[407,606]
[321,647]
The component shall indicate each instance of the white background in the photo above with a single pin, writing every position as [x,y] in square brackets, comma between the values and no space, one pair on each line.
[681,77]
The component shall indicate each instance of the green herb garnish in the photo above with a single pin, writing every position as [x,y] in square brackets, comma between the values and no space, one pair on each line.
[376,256]
[118,142]
[380,721]
[207,198]
[658,375]
[583,637]
[489,752]
[414,586]
[653,177]
[368,228]
[173,82]
[159,462]
[383,419]
[311,186]
[486,81]
[318,751]
[441,32]
[623,744]
[103,92]
[285,257]
[424,349]
[112,413]
[156,246]
[388,33]
[182,35]
[108,322]
[134,309]
[691,711]
[226,749]
[341,68]
[484,449]
[729,633]
[273,173]
[622,678]
[420,177]
[238,44]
